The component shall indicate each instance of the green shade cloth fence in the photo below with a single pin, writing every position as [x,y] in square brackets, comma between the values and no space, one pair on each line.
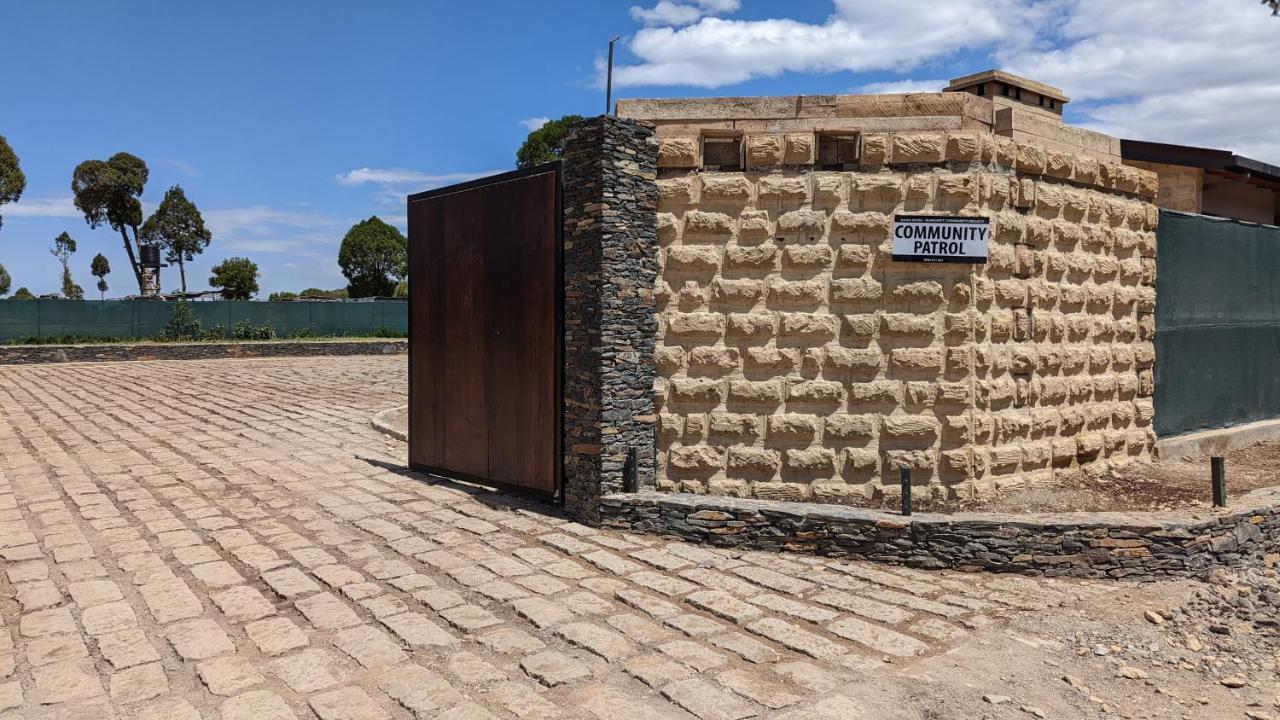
[1217,323]
[146,318]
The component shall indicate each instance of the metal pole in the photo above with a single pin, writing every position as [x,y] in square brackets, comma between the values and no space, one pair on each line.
[631,472]
[1218,467]
[608,92]
[906,491]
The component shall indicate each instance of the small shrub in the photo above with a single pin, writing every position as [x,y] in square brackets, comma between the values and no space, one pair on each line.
[246,330]
[182,324]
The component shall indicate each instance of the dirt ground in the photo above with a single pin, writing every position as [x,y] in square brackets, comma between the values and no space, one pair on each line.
[1097,660]
[1168,484]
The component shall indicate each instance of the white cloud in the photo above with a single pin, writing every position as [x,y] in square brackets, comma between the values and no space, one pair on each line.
[304,244]
[182,166]
[394,184]
[1198,73]
[50,207]
[1181,71]
[669,12]
[261,220]
[902,86]
[398,176]
[534,123]
[860,36]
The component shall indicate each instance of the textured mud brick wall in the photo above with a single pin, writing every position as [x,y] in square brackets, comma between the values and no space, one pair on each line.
[610,266]
[796,360]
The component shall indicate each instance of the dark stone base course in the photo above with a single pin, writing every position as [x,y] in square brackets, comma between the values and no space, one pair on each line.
[36,354]
[1134,546]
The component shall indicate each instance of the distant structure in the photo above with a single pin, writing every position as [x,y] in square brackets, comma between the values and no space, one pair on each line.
[1008,90]
[1209,182]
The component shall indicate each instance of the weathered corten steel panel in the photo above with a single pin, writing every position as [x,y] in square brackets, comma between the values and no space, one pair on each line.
[484,339]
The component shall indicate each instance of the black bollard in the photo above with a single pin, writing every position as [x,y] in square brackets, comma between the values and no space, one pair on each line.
[906,491]
[631,471]
[1218,466]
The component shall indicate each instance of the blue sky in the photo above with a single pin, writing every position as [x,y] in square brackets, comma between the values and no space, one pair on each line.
[286,122]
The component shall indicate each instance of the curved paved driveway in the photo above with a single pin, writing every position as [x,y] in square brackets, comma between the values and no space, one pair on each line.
[229,539]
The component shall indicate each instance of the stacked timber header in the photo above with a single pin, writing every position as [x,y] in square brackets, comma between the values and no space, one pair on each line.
[797,360]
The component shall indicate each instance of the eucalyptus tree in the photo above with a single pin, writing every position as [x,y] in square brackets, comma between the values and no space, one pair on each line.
[109,191]
[178,227]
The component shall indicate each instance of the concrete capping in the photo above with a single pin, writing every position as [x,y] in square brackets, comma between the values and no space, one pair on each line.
[380,423]
[1218,440]
[39,354]
[1026,157]
[1137,546]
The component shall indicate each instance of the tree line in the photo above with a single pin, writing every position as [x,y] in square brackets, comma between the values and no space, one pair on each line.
[373,255]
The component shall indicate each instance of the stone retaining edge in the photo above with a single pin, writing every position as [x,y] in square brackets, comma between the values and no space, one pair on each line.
[1135,546]
[37,354]
[379,422]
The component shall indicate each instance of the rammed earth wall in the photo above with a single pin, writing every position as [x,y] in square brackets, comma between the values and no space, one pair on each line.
[797,361]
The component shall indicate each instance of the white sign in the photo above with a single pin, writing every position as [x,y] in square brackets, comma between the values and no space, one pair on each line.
[935,238]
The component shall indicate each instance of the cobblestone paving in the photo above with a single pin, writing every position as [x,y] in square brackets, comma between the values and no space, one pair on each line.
[217,539]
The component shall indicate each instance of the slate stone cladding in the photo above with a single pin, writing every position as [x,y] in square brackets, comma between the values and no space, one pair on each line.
[1132,546]
[610,323]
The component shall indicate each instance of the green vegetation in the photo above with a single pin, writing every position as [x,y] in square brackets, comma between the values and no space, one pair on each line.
[101,268]
[12,181]
[237,278]
[546,143]
[108,191]
[64,246]
[374,256]
[318,294]
[178,227]
[23,293]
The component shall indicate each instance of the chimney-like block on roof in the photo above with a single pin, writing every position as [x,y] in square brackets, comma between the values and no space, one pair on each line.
[1006,89]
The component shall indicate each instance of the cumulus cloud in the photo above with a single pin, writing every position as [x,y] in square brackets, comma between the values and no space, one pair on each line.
[398,176]
[262,220]
[1180,71]
[860,36]
[1199,73]
[669,12]
[534,123]
[902,86]
[45,207]
[394,184]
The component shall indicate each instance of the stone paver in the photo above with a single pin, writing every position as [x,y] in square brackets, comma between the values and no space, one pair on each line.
[245,515]
[228,675]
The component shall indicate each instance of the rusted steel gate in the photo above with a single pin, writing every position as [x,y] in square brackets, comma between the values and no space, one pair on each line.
[484,330]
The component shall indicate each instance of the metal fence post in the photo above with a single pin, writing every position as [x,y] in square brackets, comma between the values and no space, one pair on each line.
[1218,470]
[906,490]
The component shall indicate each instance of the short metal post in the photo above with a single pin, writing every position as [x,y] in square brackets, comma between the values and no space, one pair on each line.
[1218,465]
[906,491]
[631,471]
